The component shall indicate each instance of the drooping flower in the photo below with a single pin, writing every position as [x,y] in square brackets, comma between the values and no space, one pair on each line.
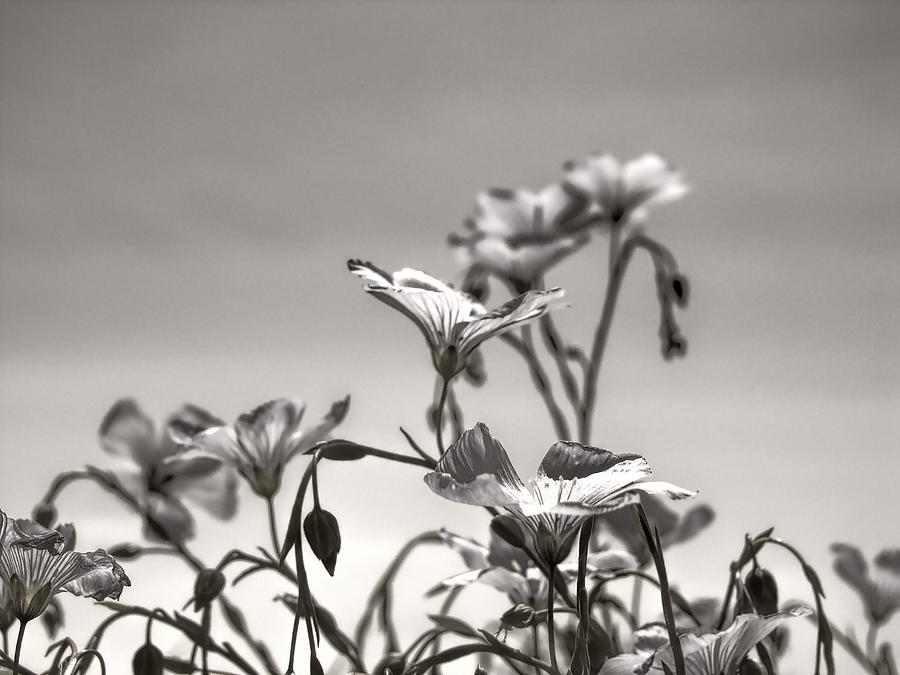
[879,589]
[161,472]
[519,234]
[711,654]
[451,321]
[573,482]
[261,442]
[624,192]
[36,564]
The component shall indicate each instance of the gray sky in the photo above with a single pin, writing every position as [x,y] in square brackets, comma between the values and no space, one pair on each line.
[182,182]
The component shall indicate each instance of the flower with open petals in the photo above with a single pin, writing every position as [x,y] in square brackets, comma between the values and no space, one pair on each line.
[711,654]
[261,442]
[573,482]
[161,472]
[451,321]
[36,564]
[879,588]
[519,234]
[624,192]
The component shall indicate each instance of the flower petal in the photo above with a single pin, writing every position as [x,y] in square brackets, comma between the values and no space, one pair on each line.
[204,480]
[476,470]
[305,439]
[126,430]
[567,460]
[267,429]
[650,179]
[518,310]
[106,579]
[474,555]
[171,516]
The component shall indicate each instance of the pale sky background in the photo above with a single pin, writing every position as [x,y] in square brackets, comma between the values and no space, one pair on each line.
[181,184]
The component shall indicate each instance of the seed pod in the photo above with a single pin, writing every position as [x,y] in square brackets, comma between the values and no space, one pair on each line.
[44,513]
[763,590]
[207,587]
[324,536]
[680,289]
[148,660]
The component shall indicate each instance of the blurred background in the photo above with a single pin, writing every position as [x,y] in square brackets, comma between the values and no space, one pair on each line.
[181,184]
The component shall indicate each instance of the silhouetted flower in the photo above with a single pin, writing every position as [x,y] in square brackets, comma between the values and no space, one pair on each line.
[624,192]
[162,472]
[711,654]
[519,234]
[261,442]
[879,588]
[451,321]
[573,482]
[36,564]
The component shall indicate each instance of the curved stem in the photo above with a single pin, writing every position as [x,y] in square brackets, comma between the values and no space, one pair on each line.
[18,653]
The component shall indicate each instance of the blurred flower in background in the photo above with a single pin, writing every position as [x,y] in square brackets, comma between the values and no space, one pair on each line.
[879,589]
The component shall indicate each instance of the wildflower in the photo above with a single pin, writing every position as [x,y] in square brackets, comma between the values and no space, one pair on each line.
[624,192]
[879,588]
[162,472]
[518,234]
[451,321]
[711,654]
[36,564]
[261,442]
[573,482]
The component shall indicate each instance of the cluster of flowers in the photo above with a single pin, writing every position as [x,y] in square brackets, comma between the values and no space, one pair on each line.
[514,237]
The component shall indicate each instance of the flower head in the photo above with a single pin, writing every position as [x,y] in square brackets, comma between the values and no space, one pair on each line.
[451,321]
[519,234]
[624,192]
[879,588]
[261,442]
[712,654]
[36,563]
[573,482]
[161,471]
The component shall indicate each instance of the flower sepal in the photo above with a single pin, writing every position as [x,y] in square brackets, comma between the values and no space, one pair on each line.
[24,607]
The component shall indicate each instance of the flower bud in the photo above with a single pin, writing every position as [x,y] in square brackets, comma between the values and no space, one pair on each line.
[763,590]
[479,670]
[148,660]
[750,667]
[125,551]
[520,616]
[324,536]
[44,513]
[207,587]
[680,289]
[392,663]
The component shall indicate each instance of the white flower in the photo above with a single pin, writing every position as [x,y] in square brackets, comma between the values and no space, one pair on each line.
[519,234]
[261,442]
[624,192]
[452,322]
[36,564]
[573,482]
[161,472]
[712,654]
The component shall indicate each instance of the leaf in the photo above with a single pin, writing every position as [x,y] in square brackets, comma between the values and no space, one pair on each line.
[454,625]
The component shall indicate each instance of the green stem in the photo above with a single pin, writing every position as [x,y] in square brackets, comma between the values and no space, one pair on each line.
[871,641]
[439,417]
[584,608]
[18,654]
[556,346]
[636,599]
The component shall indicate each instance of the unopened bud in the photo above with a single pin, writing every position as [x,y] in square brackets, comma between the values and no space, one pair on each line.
[673,345]
[391,664]
[207,587]
[44,513]
[763,590]
[324,536]
[751,667]
[520,616]
[148,660]
[680,289]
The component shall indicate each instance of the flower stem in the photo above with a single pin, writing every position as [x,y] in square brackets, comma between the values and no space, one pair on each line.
[871,641]
[551,632]
[525,347]
[22,625]
[439,416]
[273,529]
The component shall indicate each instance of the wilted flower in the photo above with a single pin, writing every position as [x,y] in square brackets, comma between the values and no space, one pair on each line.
[162,472]
[519,234]
[711,654]
[36,564]
[624,192]
[451,321]
[261,442]
[878,589]
[573,482]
